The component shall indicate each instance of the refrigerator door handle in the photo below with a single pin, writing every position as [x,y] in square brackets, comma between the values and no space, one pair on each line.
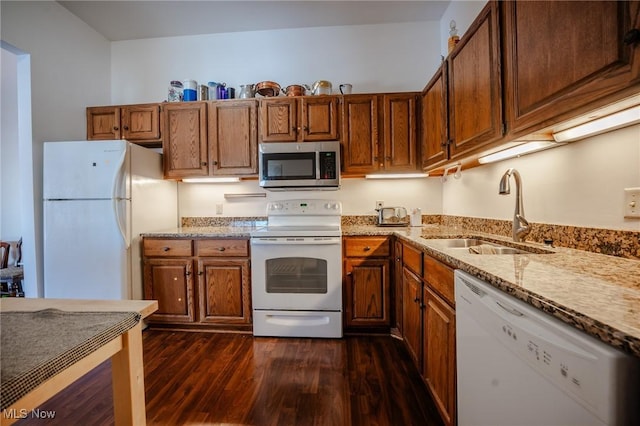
[116,198]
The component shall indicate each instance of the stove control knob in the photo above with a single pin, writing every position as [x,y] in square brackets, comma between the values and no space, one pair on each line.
[331,206]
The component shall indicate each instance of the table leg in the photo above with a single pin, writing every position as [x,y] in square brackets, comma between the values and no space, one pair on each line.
[127,371]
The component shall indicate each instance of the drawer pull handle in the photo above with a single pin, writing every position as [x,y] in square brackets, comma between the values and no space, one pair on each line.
[165,249]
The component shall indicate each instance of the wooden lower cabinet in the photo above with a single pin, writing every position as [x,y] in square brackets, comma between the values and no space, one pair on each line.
[223,288]
[200,282]
[439,353]
[170,282]
[397,287]
[428,326]
[412,314]
[367,283]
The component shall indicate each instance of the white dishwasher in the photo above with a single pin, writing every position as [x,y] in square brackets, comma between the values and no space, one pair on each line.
[520,366]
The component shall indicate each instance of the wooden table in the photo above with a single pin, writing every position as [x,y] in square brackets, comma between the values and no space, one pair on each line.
[125,352]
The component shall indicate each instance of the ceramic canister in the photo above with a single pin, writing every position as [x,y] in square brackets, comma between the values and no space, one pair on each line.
[190,89]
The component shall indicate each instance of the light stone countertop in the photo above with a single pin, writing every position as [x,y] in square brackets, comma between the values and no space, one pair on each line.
[596,293]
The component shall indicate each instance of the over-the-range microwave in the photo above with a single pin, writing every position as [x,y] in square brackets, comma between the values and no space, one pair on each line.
[303,166]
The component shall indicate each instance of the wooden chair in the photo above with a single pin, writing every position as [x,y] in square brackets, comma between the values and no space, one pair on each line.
[11,276]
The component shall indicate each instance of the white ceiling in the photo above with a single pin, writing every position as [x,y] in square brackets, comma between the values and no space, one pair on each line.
[128,20]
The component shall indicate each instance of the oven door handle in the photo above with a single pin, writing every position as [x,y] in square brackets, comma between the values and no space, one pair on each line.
[294,241]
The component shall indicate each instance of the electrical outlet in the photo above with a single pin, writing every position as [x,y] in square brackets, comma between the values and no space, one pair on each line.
[379,205]
[219,208]
[632,203]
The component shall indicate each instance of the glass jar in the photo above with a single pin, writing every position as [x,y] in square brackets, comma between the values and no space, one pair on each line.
[175,91]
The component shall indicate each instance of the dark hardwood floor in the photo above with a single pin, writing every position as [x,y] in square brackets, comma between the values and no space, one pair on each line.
[194,378]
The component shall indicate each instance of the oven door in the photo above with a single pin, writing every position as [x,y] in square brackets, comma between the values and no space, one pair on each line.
[296,273]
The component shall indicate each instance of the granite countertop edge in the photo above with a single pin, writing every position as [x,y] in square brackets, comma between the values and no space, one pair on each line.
[595,293]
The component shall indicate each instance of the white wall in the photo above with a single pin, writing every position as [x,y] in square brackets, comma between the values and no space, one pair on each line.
[358,197]
[70,69]
[374,58]
[577,184]
[10,223]
[464,13]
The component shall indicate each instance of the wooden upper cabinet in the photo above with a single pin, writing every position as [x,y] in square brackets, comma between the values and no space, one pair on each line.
[299,119]
[185,139]
[103,123]
[320,118]
[434,120]
[400,148]
[360,147]
[278,120]
[140,122]
[564,58]
[475,86]
[233,137]
[135,123]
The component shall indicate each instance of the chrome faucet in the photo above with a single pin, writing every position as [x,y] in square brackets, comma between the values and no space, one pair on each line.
[521,226]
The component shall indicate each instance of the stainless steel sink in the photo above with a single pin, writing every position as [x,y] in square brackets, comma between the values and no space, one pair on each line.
[462,242]
[479,246]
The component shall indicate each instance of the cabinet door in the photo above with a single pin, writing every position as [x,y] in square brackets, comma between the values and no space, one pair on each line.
[397,285]
[412,314]
[433,111]
[360,147]
[278,120]
[475,88]
[439,361]
[563,58]
[140,122]
[233,137]
[320,118]
[103,123]
[367,292]
[223,285]
[400,149]
[170,282]
[185,139]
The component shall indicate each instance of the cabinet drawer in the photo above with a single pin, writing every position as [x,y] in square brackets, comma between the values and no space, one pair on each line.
[439,277]
[222,247]
[367,247]
[167,247]
[412,258]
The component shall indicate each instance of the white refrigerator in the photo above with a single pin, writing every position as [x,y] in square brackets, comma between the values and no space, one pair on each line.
[99,196]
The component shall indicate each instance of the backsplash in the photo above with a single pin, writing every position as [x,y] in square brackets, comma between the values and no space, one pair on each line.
[611,242]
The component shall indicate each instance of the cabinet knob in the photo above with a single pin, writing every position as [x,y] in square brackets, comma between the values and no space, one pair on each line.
[204,163]
[187,273]
[116,128]
[200,273]
[221,249]
[165,249]
[215,163]
[367,248]
[417,299]
[632,36]
[125,127]
[306,128]
[293,128]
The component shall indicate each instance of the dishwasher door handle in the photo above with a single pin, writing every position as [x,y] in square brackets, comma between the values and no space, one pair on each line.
[512,311]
